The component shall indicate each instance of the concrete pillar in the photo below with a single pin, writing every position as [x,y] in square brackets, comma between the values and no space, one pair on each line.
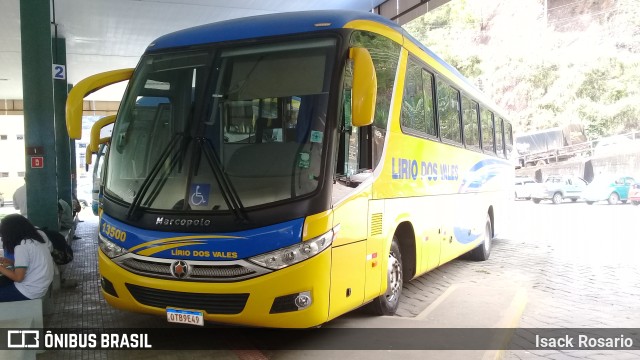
[63,156]
[37,82]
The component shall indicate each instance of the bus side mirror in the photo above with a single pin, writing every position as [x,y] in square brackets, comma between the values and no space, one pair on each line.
[94,139]
[365,86]
[84,88]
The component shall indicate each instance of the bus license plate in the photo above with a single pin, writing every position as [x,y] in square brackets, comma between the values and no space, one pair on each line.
[182,316]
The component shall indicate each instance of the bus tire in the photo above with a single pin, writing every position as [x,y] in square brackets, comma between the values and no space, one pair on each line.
[387,303]
[483,251]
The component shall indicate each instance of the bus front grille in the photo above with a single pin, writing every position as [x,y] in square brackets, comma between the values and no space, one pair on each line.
[198,270]
[211,303]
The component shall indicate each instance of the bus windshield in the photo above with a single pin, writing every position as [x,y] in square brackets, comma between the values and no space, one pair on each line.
[221,129]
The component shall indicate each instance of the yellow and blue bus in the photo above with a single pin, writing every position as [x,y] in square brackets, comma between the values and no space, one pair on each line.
[282,170]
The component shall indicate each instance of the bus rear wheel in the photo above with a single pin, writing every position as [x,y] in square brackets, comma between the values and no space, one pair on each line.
[483,251]
[387,303]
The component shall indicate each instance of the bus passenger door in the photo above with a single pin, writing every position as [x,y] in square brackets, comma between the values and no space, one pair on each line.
[350,199]
[348,255]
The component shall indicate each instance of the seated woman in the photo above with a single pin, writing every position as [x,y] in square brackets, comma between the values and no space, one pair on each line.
[33,266]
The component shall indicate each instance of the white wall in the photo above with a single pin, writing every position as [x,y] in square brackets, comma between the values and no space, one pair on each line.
[11,153]
[12,158]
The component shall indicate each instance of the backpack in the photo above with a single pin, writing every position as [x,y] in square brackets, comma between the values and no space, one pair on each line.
[62,253]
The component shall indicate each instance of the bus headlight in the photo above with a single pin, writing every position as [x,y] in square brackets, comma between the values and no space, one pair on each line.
[295,253]
[109,248]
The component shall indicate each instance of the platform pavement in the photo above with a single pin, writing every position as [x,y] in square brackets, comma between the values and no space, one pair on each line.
[479,304]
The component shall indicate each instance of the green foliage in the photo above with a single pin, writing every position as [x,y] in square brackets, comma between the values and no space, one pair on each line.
[543,76]
[544,73]
[593,86]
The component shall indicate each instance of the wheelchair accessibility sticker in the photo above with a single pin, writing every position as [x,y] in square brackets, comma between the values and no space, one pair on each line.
[199,194]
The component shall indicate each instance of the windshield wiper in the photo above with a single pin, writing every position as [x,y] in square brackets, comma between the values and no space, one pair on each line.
[135,204]
[229,193]
[177,157]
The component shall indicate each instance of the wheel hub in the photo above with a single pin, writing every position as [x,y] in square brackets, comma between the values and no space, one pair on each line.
[395,278]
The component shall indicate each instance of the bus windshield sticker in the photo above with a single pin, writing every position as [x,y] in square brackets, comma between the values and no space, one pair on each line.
[316,136]
[199,194]
[304,159]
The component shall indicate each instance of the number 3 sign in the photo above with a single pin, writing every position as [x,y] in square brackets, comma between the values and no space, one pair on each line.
[59,72]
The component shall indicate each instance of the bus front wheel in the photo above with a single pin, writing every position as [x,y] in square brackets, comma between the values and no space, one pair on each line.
[387,303]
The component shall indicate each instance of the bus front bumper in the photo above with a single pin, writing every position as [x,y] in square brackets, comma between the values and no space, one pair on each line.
[265,301]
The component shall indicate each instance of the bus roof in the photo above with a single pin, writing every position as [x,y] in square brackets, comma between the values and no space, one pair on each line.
[264,26]
[290,23]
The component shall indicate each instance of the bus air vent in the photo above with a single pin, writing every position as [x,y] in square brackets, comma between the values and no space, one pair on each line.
[376,224]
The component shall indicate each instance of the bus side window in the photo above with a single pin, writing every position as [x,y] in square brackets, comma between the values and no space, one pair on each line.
[499,137]
[508,135]
[417,103]
[487,131]
[470,120]
[448,111]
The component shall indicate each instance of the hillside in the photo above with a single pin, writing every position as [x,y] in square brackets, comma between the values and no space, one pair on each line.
[576,62]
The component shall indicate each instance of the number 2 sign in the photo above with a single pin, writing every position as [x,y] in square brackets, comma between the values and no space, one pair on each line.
[59,72]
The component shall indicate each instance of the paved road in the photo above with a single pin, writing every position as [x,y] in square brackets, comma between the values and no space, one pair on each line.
[578,262]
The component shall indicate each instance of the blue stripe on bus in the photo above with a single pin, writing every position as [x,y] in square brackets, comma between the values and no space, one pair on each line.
[243,243]
[464,235]
[482,173]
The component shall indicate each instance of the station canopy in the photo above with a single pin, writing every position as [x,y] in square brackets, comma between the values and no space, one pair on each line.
[103,35]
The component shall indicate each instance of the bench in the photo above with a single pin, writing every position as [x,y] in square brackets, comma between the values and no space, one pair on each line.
[70,233]
[26,314]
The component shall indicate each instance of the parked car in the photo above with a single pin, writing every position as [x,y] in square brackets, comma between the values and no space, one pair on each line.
[559,187]
[611,189]
[634,194]
[524,186]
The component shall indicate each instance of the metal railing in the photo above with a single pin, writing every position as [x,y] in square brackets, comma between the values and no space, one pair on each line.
[605,146]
